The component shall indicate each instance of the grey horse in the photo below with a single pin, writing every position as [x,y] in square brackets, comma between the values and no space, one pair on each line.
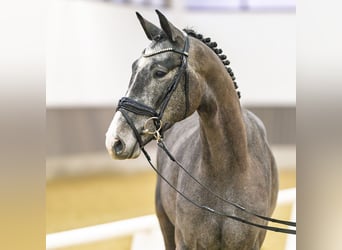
[221,144]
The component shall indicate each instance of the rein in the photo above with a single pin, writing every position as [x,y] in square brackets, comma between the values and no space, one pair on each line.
[161,144]
[127,104]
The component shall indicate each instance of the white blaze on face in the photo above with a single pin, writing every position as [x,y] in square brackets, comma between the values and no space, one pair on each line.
[111,134]
[120,130]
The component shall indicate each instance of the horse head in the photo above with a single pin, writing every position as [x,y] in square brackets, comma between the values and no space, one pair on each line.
[159,87]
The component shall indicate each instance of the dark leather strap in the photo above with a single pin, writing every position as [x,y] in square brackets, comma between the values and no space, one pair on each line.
[172,87]
[211,210]
[136,107]
[162,145]
[186,94]
[131,124]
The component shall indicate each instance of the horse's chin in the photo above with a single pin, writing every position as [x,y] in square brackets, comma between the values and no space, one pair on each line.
[136,152]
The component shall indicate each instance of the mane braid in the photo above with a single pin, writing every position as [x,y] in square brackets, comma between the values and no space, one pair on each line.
[218,52]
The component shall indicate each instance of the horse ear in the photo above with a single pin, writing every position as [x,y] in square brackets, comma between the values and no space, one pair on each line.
[170,30]
[150,29]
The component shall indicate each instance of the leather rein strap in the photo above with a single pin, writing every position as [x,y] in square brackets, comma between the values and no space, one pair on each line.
[214,211]
[127,104]
[162,145]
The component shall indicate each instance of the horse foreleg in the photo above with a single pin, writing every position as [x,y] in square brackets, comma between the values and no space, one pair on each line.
[167,228]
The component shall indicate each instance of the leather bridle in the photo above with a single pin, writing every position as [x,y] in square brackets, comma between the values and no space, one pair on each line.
[127,104]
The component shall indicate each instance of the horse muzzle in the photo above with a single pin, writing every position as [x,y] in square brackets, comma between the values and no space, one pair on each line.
[120,141]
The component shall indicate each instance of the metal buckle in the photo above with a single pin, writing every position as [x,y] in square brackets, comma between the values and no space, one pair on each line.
[156,132]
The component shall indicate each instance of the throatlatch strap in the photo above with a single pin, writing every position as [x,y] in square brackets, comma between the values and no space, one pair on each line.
[186,94]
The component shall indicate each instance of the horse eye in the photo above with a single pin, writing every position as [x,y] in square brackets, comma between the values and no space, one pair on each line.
[159,74]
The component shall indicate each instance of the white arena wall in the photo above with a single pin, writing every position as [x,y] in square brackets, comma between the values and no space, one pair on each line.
[92,44]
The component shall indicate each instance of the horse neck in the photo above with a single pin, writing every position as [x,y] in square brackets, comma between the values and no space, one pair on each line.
[223,133]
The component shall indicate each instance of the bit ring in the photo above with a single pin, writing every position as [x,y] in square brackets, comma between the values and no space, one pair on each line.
[156,131]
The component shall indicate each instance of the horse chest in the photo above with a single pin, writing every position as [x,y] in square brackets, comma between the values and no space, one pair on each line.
[198,229]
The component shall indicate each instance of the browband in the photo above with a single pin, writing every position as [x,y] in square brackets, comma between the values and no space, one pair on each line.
[185,53]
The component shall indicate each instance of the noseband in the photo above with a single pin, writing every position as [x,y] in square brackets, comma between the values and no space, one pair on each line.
[127,104]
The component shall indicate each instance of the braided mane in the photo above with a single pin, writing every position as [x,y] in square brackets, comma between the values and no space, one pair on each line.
[218,52]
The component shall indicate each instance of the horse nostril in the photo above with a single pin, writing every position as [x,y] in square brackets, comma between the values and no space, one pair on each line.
[118,147]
